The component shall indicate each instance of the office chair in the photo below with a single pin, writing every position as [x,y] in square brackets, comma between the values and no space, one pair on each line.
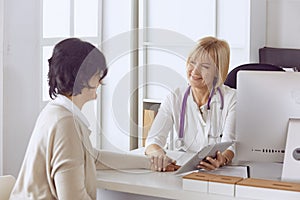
[7,183]
[231,77]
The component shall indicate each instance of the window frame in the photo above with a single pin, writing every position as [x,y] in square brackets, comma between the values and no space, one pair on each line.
[51,41]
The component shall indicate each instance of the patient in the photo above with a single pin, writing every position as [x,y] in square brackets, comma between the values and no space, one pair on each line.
[60,162]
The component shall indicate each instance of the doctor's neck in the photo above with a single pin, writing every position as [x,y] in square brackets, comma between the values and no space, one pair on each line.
[200,95]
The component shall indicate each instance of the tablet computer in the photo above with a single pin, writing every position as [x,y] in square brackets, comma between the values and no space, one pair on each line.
[209,150]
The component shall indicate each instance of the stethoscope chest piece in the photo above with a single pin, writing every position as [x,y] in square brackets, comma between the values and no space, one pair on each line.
[179,143]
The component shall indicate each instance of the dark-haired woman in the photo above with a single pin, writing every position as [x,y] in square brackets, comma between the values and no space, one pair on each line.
[60,162]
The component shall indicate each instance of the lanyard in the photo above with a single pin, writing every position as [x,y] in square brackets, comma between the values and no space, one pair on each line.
[179,143]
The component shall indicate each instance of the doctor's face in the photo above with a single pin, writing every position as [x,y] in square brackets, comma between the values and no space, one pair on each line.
[201,72]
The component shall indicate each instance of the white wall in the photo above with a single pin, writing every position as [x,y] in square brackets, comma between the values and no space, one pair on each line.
[283,26]
[173,35]
[21,79]
[116,91]
[1,83]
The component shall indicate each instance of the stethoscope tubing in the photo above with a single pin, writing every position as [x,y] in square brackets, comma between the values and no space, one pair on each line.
[183,110]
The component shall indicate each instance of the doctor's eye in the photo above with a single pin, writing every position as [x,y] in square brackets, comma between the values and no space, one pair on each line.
[205,66]
[192,64]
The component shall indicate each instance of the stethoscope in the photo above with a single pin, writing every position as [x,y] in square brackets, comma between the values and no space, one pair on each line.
[179,142]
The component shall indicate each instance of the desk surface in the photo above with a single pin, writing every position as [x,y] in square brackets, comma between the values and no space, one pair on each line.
[166,184]
[144,182]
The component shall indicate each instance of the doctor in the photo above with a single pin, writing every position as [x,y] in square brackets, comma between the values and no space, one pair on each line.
[201,113]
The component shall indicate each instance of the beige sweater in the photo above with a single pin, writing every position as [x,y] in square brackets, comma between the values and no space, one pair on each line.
[60,162]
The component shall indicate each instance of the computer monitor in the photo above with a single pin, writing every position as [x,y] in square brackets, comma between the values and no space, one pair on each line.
[265,103]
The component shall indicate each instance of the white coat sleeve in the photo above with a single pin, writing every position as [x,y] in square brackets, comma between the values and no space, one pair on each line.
[162,124]
[230,121]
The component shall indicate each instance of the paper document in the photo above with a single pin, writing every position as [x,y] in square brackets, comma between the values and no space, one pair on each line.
[231,170]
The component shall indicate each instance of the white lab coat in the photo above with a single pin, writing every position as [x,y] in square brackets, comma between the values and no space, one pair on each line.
[212,126]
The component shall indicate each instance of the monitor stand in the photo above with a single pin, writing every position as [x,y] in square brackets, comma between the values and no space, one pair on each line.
[291,163]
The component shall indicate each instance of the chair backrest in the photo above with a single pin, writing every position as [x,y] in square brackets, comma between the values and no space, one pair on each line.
[231,77]
[282,57]
[7,183]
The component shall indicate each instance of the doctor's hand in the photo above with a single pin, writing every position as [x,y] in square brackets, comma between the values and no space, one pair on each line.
[220,160]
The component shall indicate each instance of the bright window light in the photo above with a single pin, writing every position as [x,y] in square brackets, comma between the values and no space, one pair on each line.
[86,18]
[56,18]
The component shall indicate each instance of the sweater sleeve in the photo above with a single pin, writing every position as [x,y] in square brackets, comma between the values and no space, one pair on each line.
[67,163]
[116,160]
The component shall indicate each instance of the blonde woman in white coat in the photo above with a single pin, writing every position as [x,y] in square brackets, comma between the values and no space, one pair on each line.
[209,108]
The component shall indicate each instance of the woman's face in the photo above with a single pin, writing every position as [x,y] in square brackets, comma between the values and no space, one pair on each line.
[94,82]
[201,73]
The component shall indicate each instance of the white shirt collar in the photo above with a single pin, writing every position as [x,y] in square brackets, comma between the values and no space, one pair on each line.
[69,105]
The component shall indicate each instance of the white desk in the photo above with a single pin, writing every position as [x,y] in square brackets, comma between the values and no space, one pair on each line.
[146,185]
[155,185]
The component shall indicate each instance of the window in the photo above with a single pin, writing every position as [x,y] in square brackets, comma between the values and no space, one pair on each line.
[70,18]
[66,18]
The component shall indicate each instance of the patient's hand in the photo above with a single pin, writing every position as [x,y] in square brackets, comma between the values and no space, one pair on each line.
[163,163]
[159,160]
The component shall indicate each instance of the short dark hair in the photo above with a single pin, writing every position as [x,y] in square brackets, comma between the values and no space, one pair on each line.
[71,66]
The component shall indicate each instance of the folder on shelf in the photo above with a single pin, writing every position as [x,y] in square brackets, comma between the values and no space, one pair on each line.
[149,116]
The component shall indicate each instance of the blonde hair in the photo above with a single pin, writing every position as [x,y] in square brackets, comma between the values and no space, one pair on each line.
[217,51]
